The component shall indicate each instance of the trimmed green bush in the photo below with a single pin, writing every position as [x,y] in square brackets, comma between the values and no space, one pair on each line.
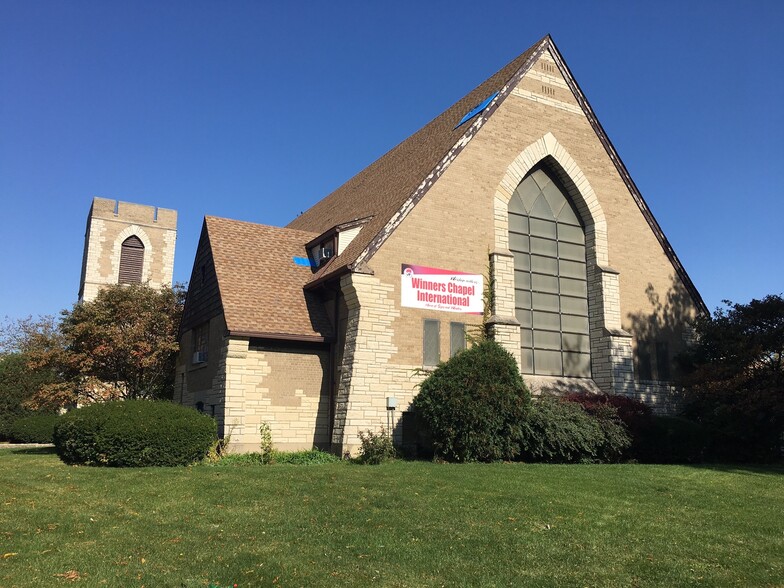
[37,428]
[18,384]
[134,433]
[617,439]
[474,405]
[558,431]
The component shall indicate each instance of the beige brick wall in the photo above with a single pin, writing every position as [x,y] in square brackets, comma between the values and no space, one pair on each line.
[245,386]
[106,232]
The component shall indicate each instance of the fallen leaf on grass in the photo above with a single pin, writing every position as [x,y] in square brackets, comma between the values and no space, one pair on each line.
[7,555]
[70,575]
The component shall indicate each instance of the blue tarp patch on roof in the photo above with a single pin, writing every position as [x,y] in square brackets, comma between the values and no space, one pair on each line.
[477,109]
[303,261]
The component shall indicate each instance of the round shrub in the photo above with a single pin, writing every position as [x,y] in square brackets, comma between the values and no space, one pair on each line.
[36,428]
[134,433]
[558,431]
[474,405]
[617,439]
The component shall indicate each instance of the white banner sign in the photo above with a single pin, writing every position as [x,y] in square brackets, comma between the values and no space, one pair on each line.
[439,289]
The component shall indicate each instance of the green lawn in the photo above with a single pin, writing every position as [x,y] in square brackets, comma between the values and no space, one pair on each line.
[400,524]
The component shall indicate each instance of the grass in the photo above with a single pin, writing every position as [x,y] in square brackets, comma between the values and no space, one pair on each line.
[398,524]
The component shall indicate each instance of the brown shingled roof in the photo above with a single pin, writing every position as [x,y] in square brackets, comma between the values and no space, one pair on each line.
[261,287]
[382,188]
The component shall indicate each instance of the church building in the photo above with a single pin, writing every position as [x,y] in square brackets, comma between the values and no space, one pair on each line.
[325,327]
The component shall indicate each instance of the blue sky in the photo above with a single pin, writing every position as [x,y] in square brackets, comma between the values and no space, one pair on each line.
[256,110]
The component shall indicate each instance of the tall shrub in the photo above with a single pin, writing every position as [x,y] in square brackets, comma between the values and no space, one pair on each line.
[18,384]
[474,405]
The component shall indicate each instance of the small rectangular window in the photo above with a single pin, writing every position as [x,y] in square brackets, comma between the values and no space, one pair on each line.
[457,338]
[431,347]
[662,361]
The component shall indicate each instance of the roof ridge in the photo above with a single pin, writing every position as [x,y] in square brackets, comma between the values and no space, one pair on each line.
[441,145]
[253,224]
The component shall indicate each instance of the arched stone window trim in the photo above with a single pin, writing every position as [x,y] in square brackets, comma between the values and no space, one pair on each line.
[132,231]
[611,360]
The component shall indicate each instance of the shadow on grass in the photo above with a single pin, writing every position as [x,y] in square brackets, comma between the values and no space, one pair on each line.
[34,451]
[773,469]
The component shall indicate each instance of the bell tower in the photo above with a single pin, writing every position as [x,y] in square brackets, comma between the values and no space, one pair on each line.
[127,243]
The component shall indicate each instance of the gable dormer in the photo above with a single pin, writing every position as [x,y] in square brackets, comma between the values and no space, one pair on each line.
[333,242]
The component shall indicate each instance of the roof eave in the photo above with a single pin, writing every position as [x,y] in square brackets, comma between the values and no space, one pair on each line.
[281,336]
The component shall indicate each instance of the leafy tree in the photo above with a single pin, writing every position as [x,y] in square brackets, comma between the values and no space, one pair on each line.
[23,336]
[121,345]
[18,384]
[735,378]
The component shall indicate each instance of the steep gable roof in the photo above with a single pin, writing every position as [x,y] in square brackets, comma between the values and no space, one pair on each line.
[388,189]
[259,283]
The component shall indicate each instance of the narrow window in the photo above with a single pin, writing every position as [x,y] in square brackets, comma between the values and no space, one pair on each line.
[131,261]
[662,361]
[431,347]
[643,368]
[201,343]
[457,338]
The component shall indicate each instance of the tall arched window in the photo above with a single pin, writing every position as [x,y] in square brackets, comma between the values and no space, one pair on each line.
[131,260]
[547,239]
